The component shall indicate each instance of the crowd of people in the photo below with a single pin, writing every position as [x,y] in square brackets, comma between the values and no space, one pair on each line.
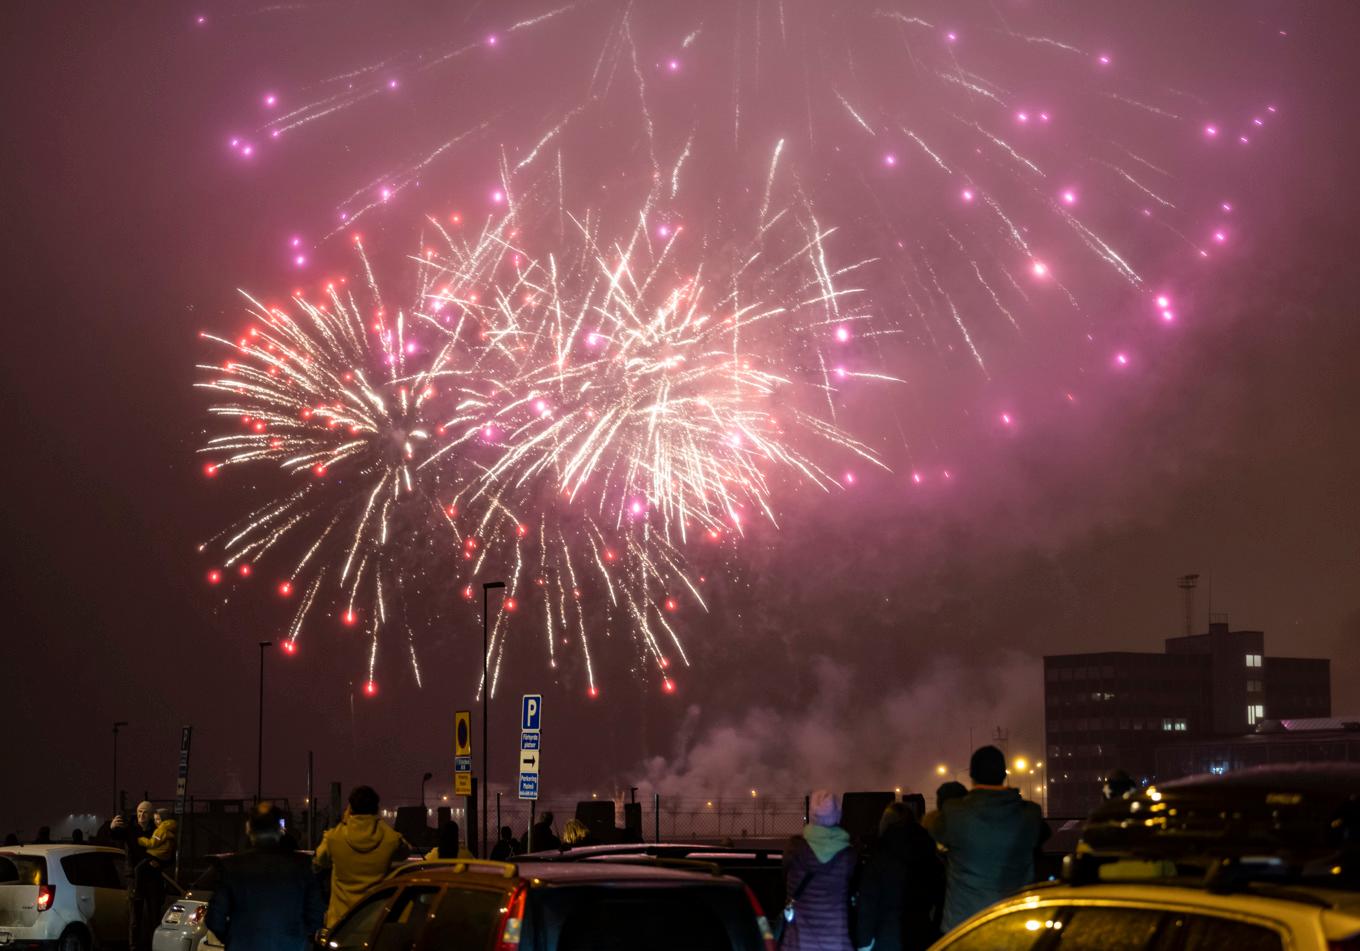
[921,876]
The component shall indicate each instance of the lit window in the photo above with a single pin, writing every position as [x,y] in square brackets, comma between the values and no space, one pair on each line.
[1255,713]
[1253,660]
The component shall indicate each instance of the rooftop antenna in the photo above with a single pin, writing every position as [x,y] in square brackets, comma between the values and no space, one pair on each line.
[1187,584]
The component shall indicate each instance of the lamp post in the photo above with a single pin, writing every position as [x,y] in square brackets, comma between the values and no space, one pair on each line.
[486,690]
[259,741]
[423,780]
[116,725]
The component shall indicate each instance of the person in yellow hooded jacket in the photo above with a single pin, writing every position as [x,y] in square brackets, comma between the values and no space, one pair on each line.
[160,844]
[359,852]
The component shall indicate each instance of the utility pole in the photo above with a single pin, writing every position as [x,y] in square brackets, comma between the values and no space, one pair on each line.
[116,725]
[1187,583]
[486,692]
[259,743]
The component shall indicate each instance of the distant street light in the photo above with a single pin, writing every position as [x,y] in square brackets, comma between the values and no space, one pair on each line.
[116,725]
[259,743]
[486,691]
[942,770]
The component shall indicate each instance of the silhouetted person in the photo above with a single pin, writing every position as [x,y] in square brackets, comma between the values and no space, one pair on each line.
[450,846]
[946,792]
[12,838]
[146,888]
[77,836]
[267,898]
[901,890]
[504,849]
[817,869]
[990,836]
[543,838]
[1118,783]
[44,836]
[359,851]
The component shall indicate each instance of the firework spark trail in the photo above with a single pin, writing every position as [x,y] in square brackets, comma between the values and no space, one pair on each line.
[616,382]
[611,376]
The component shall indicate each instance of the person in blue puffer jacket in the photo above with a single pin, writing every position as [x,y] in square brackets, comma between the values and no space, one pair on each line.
[817,869]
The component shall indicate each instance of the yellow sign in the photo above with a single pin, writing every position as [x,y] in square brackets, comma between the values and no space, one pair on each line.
[462,753]
[462,733]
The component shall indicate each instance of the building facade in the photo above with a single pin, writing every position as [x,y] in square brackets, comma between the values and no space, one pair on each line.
[1312,740]
[1114,709]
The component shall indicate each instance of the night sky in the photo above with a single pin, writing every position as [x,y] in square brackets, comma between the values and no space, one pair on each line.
[857,645]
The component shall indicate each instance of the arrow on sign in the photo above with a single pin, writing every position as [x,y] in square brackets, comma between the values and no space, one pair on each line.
[528,761]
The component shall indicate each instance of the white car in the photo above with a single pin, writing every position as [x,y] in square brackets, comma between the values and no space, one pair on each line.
[64,897]
[183,926]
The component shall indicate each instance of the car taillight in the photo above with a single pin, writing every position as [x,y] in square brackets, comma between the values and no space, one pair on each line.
[198,914]
[46,895]
[512,920]
[762,922]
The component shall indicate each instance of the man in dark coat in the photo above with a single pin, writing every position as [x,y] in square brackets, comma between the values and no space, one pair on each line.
[991,836]
[901,888]
[544,839]
[268,899]
[817,869]
[146,888]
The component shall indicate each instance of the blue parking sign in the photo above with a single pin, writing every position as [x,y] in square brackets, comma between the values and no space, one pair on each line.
[531,712]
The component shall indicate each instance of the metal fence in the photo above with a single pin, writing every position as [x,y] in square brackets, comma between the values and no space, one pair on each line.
[658,818]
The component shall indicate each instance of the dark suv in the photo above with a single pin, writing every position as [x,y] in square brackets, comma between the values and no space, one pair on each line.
[536,906]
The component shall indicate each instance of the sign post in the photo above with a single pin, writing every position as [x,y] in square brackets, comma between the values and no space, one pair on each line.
[530,745]
[186,735]
[462,753]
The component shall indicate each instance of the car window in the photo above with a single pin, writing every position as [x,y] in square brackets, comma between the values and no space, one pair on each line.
[9,872]
[406,919]
[354,932]
[92,870]
[1096,928]
[1207,933]
[464,920]
[30,869]
[660,919]
[1018,931]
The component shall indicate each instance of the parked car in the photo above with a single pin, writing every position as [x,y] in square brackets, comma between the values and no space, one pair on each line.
[62,896]
[762,870]
[183,926]
[554,906]
[1264,859]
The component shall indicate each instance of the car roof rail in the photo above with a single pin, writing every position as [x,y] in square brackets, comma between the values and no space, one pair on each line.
[691,865]
[504,869]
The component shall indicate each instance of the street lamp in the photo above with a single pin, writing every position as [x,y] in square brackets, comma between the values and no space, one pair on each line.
[259,742]
[486,690]
[423,780]
[116,725]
